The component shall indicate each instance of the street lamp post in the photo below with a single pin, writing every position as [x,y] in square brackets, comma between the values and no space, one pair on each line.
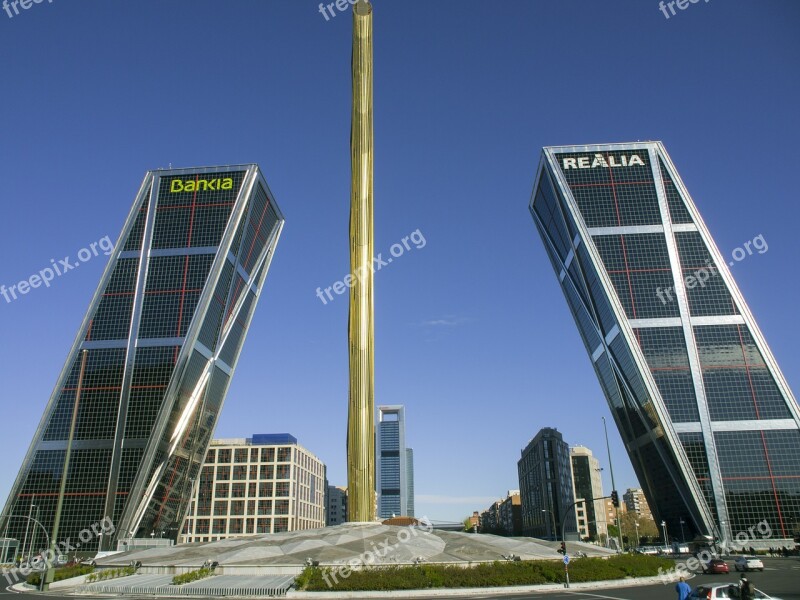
[613,486]
[636,525]
[666,542]
[33,536]
[27,526]
[683,539]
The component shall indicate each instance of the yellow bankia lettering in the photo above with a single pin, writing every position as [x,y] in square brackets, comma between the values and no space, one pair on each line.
[200,185]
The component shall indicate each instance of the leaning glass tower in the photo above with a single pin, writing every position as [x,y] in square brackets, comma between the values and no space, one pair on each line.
[708,420]
[162,338]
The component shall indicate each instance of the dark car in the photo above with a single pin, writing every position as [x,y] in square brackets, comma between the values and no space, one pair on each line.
[716,565]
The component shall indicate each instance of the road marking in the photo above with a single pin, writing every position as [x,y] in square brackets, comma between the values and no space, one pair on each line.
[597,595]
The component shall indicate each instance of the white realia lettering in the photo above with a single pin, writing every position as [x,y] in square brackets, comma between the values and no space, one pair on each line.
[604,161]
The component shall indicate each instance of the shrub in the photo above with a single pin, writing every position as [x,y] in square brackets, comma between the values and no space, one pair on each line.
[495,574]
[192,576]
[60,574]
[107,574]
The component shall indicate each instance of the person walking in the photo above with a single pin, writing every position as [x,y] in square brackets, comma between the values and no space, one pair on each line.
[683,589]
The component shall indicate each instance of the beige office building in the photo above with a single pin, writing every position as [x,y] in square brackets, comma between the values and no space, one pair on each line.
[248,486]
[587,484]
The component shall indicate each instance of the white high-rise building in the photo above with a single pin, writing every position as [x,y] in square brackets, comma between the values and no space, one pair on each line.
[265,484]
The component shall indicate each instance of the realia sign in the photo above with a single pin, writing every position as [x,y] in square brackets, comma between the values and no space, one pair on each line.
[600,160]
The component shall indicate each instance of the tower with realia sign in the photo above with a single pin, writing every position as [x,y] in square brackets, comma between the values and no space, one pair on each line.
[707,418]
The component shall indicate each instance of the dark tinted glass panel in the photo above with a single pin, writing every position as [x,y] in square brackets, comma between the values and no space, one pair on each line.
[151,374]
[174,285]
[258,229]
[612,189]
[737,382]
[193,210]
[665,351]
[761,476]
[677,209]
[134,241]
[695,448]
[112,319]
[707,293]
[639,268]
[546,207]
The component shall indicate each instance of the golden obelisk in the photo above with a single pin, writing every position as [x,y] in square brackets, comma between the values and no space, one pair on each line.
[361,328]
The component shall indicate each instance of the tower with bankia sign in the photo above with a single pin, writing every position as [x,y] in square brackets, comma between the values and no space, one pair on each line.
[707,418]
[162,337]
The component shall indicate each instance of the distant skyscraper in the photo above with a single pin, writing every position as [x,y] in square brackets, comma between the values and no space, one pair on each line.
[410,482]
[336,505]
[394,475]
[709,422]
[545,485]
[587,484]
[163,335]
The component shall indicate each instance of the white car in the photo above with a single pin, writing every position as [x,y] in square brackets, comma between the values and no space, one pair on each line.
[748,563]
[726,590]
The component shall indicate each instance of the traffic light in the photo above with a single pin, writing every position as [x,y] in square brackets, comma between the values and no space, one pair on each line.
[615,499]
[563,549]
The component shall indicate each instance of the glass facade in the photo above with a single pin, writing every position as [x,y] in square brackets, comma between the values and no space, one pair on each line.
[394,477]
[162,336]
[711,427]
[545,486]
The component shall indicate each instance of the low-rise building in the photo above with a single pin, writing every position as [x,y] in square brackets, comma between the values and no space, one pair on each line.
[265,484]
[503,517]
[490,518]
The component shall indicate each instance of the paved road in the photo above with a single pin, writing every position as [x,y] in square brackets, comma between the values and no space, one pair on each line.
[781,578]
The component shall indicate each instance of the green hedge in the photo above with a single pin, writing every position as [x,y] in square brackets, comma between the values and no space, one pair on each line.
[62,573]
[111,574]
[496,574]
[192,576]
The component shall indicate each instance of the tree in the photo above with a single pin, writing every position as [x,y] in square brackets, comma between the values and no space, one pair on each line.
[631,522]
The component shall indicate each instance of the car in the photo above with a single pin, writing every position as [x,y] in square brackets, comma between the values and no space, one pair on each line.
[748,563]
[716,565]
[725,590]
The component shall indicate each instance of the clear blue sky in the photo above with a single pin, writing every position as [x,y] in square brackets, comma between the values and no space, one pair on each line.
[473,334]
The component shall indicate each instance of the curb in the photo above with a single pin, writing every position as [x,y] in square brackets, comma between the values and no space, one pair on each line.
[488,591]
